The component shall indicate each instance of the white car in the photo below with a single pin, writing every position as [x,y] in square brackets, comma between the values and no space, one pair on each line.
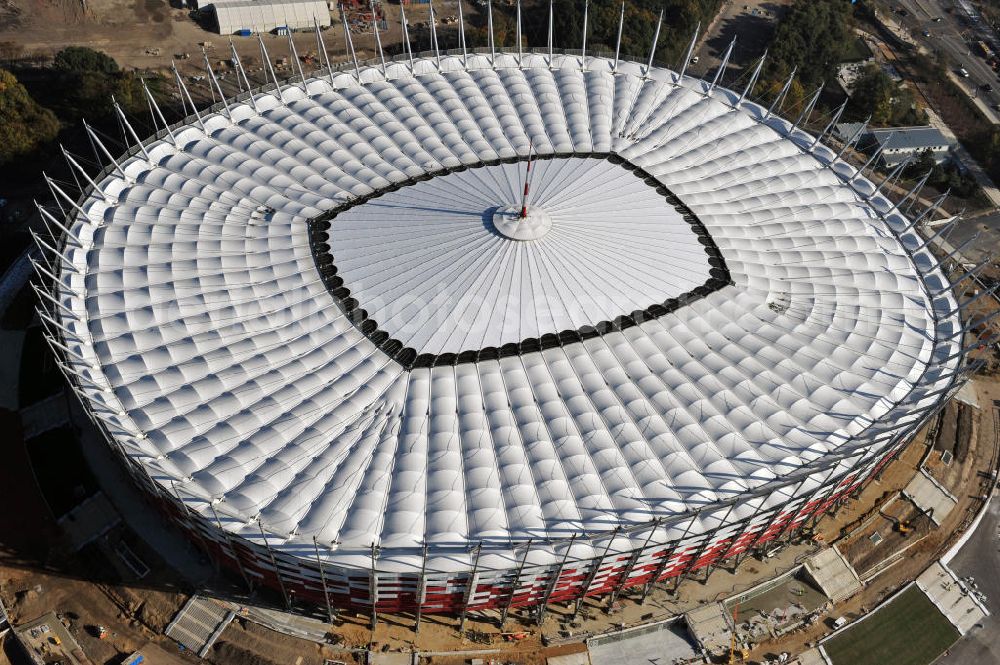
[963,72]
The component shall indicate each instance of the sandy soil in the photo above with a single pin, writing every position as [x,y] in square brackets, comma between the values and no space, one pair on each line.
[753,22]
[148,34]
[247,643]
[84,605]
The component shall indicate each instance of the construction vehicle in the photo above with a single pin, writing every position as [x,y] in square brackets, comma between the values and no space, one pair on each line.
[737,654]
[903,527]
[900,526]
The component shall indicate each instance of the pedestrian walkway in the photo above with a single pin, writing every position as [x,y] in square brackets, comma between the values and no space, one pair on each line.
[930,497]
[47,414]
[952,596]
[199,623]
[833,574]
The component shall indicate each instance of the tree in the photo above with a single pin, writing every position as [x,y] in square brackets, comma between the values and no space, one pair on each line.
[813,39]
[24,125]
[83,59]
[88,80]
[922,164]
[888,102]
[679,20]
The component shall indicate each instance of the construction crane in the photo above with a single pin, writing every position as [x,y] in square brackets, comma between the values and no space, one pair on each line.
[737,654]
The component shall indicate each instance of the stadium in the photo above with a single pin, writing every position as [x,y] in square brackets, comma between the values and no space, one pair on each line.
[333,338]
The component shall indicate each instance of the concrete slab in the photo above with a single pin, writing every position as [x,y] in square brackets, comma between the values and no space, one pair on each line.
[833,574]
[952,596]
[930,496]
[48,414]
[89,521]
[582,658]
[967,394]
[659,644]
[710,626]
[812,657]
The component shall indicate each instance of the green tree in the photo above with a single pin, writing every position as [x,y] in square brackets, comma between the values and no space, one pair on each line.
[888,102]
[679,20]
[24,125]
[83,59]
[813,38]
[922,164]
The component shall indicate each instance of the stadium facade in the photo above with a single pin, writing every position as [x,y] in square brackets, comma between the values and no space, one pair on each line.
[318,330]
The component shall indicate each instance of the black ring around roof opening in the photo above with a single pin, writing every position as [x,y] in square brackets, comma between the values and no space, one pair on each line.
[410,358]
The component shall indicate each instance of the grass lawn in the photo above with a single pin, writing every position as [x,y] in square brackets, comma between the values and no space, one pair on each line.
[907,631]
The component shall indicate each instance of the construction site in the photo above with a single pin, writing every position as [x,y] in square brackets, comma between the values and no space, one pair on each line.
[140,597]
[93,571]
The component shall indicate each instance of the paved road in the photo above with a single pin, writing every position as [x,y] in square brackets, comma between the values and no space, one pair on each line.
[988,243]
[953,35]
[980,559]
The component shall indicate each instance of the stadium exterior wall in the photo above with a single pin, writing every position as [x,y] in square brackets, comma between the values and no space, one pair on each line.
[322,584]
[308,579]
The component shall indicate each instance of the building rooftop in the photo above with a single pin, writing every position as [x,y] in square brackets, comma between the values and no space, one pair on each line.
[266,367]
[910,138]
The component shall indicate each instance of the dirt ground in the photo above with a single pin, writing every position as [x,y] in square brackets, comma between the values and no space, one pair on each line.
[865,554]
[247,643]
[37,575]
[83,605]
[981,457]
[752,22]
[128,30]
[4,645]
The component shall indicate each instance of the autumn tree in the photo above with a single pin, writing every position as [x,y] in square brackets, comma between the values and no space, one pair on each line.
[24,125]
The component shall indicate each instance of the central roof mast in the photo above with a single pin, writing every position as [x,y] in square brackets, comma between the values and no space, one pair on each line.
[527,179]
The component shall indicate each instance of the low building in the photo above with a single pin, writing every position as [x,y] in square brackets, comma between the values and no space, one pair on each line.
[899,143]
[252,16]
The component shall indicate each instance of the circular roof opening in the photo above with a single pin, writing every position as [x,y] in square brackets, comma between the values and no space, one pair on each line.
[446,265]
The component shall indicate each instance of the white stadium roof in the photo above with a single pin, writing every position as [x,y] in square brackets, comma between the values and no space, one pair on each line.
[221,359]
[438,276]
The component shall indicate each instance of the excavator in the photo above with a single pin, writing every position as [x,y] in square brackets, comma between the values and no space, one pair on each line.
[902,526]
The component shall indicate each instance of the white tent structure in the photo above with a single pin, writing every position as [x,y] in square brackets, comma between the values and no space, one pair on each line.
[318,329]
[231,16]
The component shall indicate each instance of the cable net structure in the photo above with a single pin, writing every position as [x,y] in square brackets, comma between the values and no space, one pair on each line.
[319,331]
